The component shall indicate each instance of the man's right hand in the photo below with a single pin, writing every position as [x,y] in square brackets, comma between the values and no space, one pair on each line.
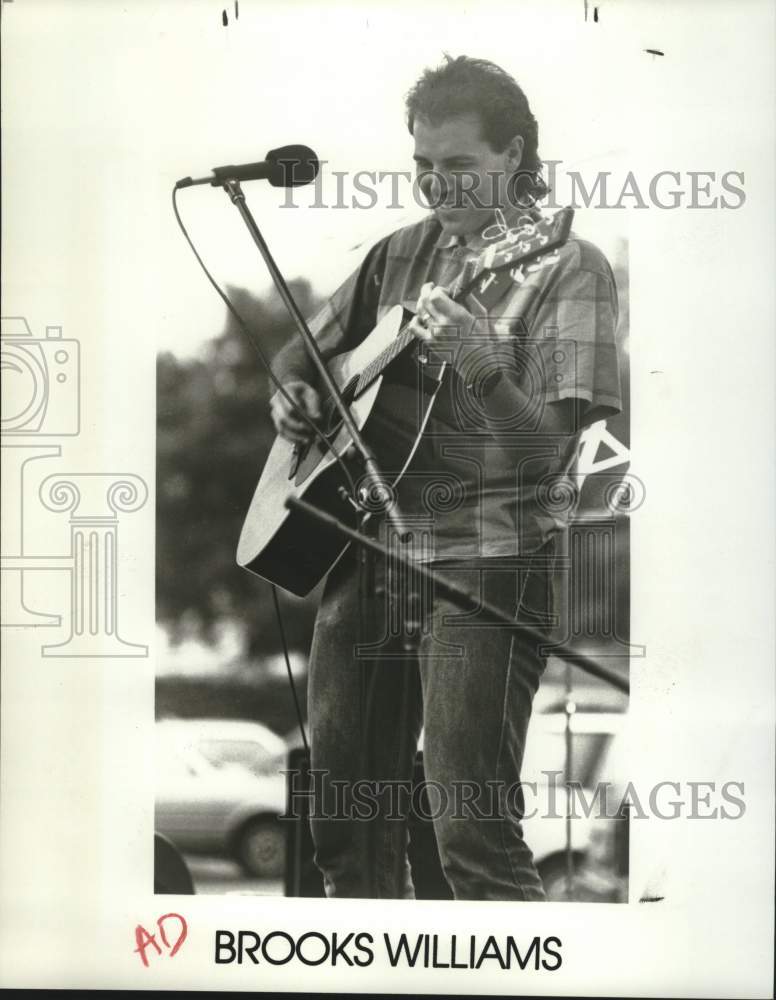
[288,422]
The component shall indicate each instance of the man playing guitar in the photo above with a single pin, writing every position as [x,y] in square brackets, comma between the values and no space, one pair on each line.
[526,366]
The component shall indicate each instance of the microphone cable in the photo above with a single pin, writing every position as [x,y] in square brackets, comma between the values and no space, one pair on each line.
[300,412]
[284,644]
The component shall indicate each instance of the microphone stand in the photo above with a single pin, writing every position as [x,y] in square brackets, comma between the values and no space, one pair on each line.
[376,483]
[376,479]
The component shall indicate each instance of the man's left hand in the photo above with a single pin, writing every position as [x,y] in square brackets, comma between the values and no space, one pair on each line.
[436,311]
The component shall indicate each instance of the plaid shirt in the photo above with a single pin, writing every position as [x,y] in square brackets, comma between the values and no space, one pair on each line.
[481,482]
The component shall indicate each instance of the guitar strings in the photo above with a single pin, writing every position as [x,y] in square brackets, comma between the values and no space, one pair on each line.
[260,350]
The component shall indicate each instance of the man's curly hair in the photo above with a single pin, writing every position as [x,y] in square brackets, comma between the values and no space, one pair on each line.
[463,85]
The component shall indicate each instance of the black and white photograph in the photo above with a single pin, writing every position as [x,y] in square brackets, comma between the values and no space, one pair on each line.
[385,392]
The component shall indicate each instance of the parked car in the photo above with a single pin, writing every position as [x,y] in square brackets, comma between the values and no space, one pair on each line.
[220,790]
[220,808]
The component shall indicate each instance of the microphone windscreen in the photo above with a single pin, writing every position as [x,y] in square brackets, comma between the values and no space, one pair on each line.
[292,166]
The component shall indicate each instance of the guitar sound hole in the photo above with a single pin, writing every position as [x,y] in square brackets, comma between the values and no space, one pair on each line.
[332,421]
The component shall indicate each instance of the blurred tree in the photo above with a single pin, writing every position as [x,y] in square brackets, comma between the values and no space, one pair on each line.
[213,436]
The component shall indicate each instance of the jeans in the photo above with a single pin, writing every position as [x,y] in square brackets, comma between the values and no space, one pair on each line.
[469,684]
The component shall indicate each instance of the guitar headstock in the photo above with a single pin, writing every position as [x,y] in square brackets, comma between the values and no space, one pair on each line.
[516,248]
[519,246]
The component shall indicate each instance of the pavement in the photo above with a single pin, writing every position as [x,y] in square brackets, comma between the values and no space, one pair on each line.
[221,877]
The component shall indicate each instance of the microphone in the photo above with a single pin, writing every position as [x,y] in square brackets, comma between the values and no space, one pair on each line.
[287,166]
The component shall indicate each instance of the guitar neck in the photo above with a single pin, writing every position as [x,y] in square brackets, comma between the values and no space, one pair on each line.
[519,247]
[378,365]
[404,338]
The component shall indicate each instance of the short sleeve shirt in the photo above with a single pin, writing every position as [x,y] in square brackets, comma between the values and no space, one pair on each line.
[483,482]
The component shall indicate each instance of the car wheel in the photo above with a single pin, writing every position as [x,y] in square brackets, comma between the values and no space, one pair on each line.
[261,849]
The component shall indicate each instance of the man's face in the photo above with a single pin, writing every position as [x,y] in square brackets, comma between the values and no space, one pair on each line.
[461,177]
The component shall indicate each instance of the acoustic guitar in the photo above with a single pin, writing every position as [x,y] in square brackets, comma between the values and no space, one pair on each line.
[289,549]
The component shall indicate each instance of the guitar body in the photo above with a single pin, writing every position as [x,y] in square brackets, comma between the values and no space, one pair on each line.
[285,547]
